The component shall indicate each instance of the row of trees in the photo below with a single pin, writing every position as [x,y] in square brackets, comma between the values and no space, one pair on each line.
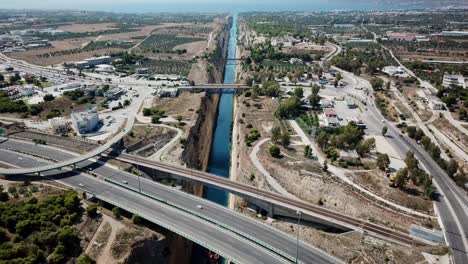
[412,172]
[451,168]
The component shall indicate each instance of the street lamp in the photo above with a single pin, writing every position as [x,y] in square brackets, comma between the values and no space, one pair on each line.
[298,213]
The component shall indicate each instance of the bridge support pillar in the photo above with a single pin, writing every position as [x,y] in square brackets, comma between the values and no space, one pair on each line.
[38,173]
[271,210]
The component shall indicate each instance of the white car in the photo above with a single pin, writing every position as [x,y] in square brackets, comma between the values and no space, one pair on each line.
[199,207]
[81,185]
[20,158]
[125,182]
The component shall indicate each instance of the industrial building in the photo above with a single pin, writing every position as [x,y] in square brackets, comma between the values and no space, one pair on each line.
[85,122]
[93,62]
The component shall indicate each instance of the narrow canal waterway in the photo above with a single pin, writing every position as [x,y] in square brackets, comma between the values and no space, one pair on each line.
[220,156]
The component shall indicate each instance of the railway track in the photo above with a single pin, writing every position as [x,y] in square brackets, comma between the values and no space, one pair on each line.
[398,235]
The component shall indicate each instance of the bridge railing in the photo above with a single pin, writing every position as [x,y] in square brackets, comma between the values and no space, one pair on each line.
[209,219]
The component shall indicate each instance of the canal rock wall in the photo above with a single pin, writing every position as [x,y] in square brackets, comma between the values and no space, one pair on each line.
[197,151]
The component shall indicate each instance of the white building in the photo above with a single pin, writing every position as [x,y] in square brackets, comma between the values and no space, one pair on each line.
[295,61]
[99,60]
[104,68]
[392,70]
[85,122]
[454,80]
[286,41]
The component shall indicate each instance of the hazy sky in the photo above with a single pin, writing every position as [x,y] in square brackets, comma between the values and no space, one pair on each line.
[194,5]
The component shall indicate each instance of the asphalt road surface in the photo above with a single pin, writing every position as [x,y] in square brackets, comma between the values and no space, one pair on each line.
[243,225]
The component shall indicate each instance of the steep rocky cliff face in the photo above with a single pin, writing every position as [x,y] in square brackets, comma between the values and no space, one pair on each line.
[197,151]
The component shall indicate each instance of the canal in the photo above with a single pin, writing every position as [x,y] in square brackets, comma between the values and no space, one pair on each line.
[220,155]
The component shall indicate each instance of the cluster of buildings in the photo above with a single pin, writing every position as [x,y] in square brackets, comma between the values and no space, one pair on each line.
[284,41]
[28,32]
[12,43]
[20,91]
[329,116]
[406,36]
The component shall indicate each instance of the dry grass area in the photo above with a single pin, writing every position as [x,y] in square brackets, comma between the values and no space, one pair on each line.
[81,28]
[386,107]
[64,105]
[452,132]
[139,133]
[196,48]
[303,178]
[126,237]
[143,31]
[378,183]
[185,105]
[306,48]
[306,181]
[101,238]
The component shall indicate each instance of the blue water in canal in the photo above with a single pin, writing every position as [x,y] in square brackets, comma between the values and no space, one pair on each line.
[220,156]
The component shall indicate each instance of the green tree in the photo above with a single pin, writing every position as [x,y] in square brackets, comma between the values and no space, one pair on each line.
[452,168]
[147,112]
[91,210]
[299,92]
[325,166]
[384,130]
[285,139]
[383,161]
[401,178]
[411,161]
[48,97]
[155,119]
[85,259]
[116,212]
[275,151]
[276,134]
[365,146]
[126,102]
[376,83]
[179,118]
[136,219]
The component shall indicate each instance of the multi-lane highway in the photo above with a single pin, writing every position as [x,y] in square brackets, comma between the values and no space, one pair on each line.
[242,226]
[329,216]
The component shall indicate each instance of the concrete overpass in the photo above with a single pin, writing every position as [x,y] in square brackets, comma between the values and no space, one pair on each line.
[226,232]
[73,161]
[215,86]
[275,204]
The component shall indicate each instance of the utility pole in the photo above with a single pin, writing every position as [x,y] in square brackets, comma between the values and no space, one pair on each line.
[298,213]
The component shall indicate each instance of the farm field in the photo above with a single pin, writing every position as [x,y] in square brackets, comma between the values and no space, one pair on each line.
[81,28]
